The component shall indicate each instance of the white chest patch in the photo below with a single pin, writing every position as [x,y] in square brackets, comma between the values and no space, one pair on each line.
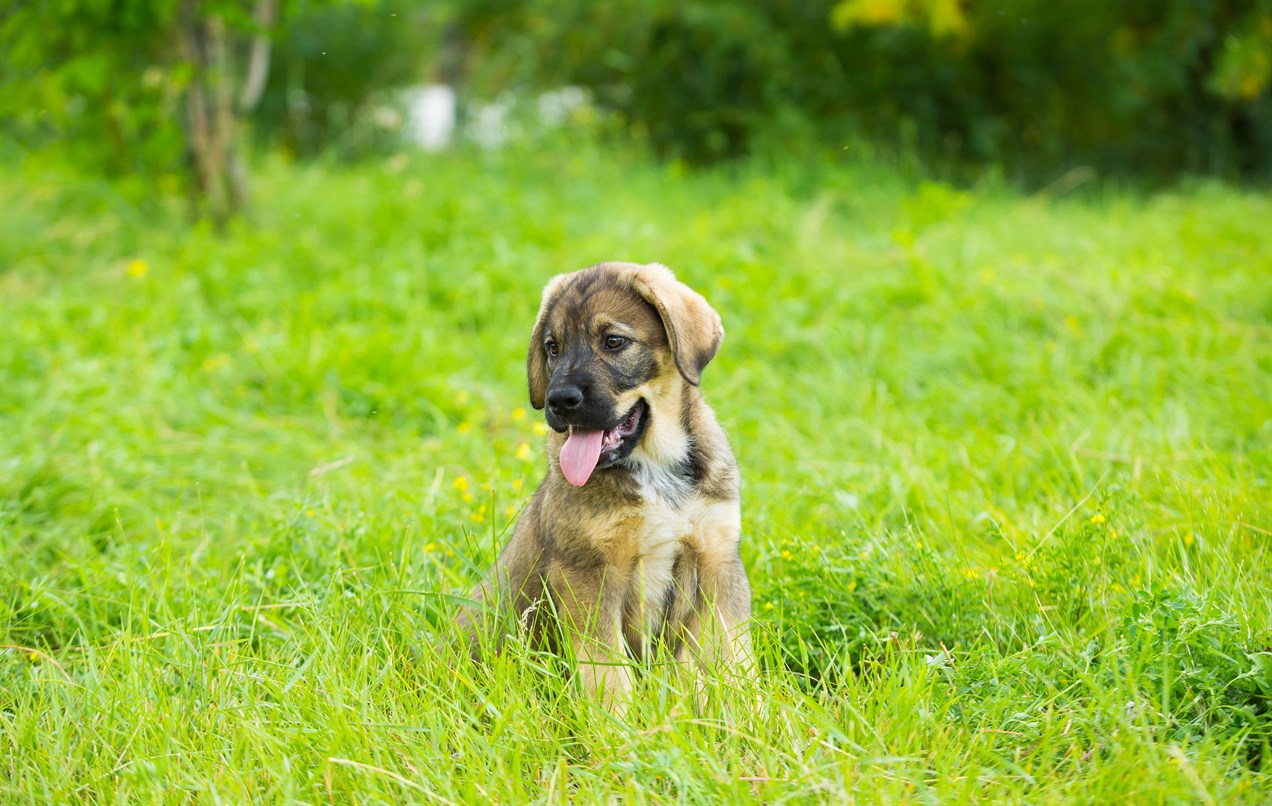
[670,512]
[660,484]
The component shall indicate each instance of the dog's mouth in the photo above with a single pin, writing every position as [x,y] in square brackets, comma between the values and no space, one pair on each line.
[585,448]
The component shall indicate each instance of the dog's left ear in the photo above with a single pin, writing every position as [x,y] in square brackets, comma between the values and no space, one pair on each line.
[537,356]
[693,327]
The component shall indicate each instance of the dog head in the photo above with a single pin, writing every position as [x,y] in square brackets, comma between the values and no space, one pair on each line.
[611,349]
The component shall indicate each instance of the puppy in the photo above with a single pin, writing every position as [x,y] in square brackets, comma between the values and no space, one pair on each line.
[630,544]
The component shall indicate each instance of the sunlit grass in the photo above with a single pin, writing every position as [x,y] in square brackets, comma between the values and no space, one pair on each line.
[1006,496]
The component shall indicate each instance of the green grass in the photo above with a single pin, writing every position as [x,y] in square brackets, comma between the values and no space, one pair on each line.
[1006,502]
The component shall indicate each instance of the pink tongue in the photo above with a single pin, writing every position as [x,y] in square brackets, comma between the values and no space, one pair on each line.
[579,454]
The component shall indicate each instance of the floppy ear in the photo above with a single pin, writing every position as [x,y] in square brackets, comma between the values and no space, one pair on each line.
[536,358]
[693,327]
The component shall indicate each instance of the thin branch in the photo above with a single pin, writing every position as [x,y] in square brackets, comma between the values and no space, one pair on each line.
[258,61]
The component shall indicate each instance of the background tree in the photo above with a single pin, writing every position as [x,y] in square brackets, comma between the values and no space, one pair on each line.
[213,107]
[144,89]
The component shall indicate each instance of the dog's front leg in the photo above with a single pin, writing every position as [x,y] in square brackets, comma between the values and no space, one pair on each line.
[717,631]
[590,608]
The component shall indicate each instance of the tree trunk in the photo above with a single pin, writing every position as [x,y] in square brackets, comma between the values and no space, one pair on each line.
[258,62]
[212,117]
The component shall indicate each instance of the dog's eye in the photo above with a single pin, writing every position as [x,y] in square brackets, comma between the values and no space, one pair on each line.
[551,347]
[614,342]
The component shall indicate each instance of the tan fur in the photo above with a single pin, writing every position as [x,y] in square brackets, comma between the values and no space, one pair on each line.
[644,556]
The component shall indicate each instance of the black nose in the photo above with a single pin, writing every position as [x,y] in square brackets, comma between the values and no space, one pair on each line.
[565,399]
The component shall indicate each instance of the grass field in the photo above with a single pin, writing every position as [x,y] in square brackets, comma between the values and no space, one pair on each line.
[1006,496]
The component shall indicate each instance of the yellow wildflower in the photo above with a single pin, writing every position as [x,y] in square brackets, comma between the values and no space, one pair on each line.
[523,452]
[429,547]
[464,427]
[1189,539]
[786,555]
[510,510]
[768,605]
[138,268]
[460,483]
[540,428]
[970,573]
[1097,518]
[479,516]
[518,414]
[516,484]
[467,496]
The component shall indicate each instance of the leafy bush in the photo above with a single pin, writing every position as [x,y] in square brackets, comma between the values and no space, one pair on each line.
[710,78]
[1157,87]
[95,81]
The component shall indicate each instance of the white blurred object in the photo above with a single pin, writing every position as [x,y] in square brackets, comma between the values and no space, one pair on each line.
[430,115]
[489,125]
[555,106]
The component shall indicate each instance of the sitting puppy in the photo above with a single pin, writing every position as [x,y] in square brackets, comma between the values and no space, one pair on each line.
[631,542]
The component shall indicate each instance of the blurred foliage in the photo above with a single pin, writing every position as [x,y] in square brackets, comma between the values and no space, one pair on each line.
[722,61]
[97,81]
[1244,67]
[938,17]
[1156,86]
[334,68]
